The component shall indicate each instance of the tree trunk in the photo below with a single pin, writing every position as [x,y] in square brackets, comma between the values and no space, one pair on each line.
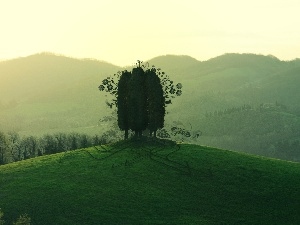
[140,133]
[126,134]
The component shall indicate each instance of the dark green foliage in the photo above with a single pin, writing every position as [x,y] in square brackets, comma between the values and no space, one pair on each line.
[110,85]
[4,145]
[179,134]
[30,147]
[268,129]
[123,102]
[155,101]
[14,148]
[73,141]
[137,101]
[85,141]
[50,144]
[141,97]
[170,89]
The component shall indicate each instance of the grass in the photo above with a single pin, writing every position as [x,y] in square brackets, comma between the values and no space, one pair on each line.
[151,184]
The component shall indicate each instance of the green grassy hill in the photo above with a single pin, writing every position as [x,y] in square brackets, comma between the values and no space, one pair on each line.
[131,183]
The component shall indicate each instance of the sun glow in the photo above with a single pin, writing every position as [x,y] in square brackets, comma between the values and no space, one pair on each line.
[123,31]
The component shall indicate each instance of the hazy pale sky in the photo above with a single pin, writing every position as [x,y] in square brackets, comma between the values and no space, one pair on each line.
[122,32]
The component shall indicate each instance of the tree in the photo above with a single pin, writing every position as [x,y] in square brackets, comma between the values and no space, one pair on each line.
[29,147]
[49,144]
[62,142]
[123,102]
[4,148]
[141,97]
[16,150]
[137,102]
[155,102]
[73,139]
[84,141]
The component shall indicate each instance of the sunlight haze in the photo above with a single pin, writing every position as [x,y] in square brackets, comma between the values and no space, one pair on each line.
[121,32]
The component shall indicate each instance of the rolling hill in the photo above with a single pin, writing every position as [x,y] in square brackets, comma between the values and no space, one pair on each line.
[46,93]
[151,183]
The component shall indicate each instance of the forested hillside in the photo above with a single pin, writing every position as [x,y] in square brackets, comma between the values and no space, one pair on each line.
[244,102]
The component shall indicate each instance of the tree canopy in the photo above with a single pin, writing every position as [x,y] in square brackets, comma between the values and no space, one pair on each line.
[140,96]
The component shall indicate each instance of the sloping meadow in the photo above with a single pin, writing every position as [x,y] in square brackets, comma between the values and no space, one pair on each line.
[157,182]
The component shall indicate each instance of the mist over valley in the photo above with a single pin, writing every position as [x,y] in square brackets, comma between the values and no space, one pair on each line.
[244,102]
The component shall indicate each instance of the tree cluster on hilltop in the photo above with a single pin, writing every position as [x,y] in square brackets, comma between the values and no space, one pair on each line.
[140,96]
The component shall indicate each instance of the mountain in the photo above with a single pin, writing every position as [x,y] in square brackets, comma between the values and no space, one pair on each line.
[26,78]
[127,183]
[244,77]
[45,91]
[173,64]
[245,102]
[223,86]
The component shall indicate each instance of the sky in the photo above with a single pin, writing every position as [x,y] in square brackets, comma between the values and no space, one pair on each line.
[121,32]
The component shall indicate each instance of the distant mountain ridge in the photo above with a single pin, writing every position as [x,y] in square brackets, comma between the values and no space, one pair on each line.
[58,77]
[46,70]
[45,92]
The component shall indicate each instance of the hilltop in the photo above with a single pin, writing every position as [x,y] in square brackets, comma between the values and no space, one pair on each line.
[125,183]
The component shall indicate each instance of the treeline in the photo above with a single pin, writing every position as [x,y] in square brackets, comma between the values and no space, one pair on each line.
[268,129]
[14,148]
[246,107]
[229,110]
